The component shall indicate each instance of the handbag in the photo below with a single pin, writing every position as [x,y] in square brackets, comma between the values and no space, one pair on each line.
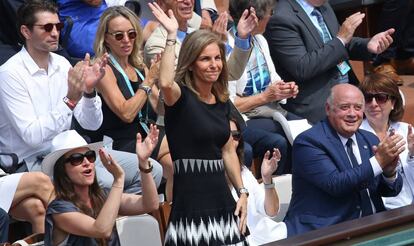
[33,240]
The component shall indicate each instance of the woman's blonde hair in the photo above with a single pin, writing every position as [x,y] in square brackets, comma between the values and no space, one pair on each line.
[190,50]
[100,47]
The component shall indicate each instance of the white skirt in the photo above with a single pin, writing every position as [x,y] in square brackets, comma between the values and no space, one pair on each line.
[8,186]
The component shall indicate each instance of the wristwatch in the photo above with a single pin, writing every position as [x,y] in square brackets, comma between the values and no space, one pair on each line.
[146,88]
[242,190]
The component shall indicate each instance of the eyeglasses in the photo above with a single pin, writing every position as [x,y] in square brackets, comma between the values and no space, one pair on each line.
[380,98]
[132,34]
[49,26]
[76,159]
[236,135]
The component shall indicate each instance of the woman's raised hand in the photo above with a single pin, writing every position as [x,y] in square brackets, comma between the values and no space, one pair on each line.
[112,166]
[167,21]
[145,148]
[269,166]
[247,23]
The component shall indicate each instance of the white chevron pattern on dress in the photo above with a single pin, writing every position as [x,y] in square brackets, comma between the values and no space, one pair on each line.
[188,233]
[197,165]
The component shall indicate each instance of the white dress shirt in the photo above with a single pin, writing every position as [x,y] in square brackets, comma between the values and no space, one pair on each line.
[32,108]
[405,168]
[263,229]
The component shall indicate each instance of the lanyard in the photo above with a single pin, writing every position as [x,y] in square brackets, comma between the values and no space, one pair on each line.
[128,83]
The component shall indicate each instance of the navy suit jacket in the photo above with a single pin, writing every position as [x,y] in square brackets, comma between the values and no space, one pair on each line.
[324,184]
[300,55]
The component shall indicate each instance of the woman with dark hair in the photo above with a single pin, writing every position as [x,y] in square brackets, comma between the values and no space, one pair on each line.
[82,214]
[197,111]
[263,201]
[383,111]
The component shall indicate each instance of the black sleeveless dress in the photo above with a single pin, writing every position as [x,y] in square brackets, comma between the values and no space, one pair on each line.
[203,207]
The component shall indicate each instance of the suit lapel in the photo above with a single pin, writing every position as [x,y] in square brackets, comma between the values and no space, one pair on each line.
[307,22]
[344,162]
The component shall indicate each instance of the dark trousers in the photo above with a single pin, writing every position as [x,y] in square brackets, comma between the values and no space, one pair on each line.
[265,134]
[4,226]
[397,14]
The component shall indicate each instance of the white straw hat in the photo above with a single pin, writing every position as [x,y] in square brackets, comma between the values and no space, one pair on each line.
[63,143]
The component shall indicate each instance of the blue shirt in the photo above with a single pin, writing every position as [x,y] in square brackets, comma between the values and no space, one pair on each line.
[85,24]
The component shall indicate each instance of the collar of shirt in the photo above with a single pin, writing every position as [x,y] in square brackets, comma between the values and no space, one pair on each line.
[308,8]
[33,68]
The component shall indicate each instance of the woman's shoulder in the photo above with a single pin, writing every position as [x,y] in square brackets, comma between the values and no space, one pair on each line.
[61,206]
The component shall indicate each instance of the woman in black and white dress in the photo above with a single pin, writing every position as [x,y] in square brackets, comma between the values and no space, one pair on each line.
[197,126]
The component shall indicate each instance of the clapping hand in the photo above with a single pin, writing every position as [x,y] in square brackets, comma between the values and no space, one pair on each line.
[145,148]
[269,166]
[112,166]
[220,26]
[153,73]
[380,42]
[410,140]
[93,73]
[348,27]
[247,23]
[169,22]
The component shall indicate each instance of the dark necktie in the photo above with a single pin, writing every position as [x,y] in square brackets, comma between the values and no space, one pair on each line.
[325,32]
[365,200]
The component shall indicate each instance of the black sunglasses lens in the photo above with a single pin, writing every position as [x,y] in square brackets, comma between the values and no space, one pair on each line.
[59,26]
[236,135]
[379,98]
[119,36]
[76,159]
[48,27]
[90,155]
[132,34]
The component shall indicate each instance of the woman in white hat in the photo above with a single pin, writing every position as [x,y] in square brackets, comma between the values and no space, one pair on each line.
[82,213]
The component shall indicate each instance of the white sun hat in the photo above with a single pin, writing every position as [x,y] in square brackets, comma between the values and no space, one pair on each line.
[63,143]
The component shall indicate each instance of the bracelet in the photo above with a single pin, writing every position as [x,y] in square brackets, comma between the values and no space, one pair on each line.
[71,104]
[269,186]
[90,95]
[148,170]
[120,187]
[171,42]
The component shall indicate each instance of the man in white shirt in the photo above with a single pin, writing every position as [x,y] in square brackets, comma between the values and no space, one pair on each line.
[40,92]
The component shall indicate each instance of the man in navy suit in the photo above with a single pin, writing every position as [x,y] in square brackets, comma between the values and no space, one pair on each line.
[336,179]
[4,226]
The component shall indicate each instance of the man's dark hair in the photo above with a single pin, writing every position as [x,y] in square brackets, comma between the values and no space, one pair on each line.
[27,11]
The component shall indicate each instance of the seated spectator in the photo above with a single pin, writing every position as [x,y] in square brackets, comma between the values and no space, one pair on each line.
[82,17]
[40,94]
[340,172]
[82,214]
[258,92]
[384,111]
[128,86]
[262,203]
[25,196]
[4,226]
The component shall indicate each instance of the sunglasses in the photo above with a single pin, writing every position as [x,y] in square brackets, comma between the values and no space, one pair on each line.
[236,135]
[132,34]
[76,159]
[49,26]
[380,98]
